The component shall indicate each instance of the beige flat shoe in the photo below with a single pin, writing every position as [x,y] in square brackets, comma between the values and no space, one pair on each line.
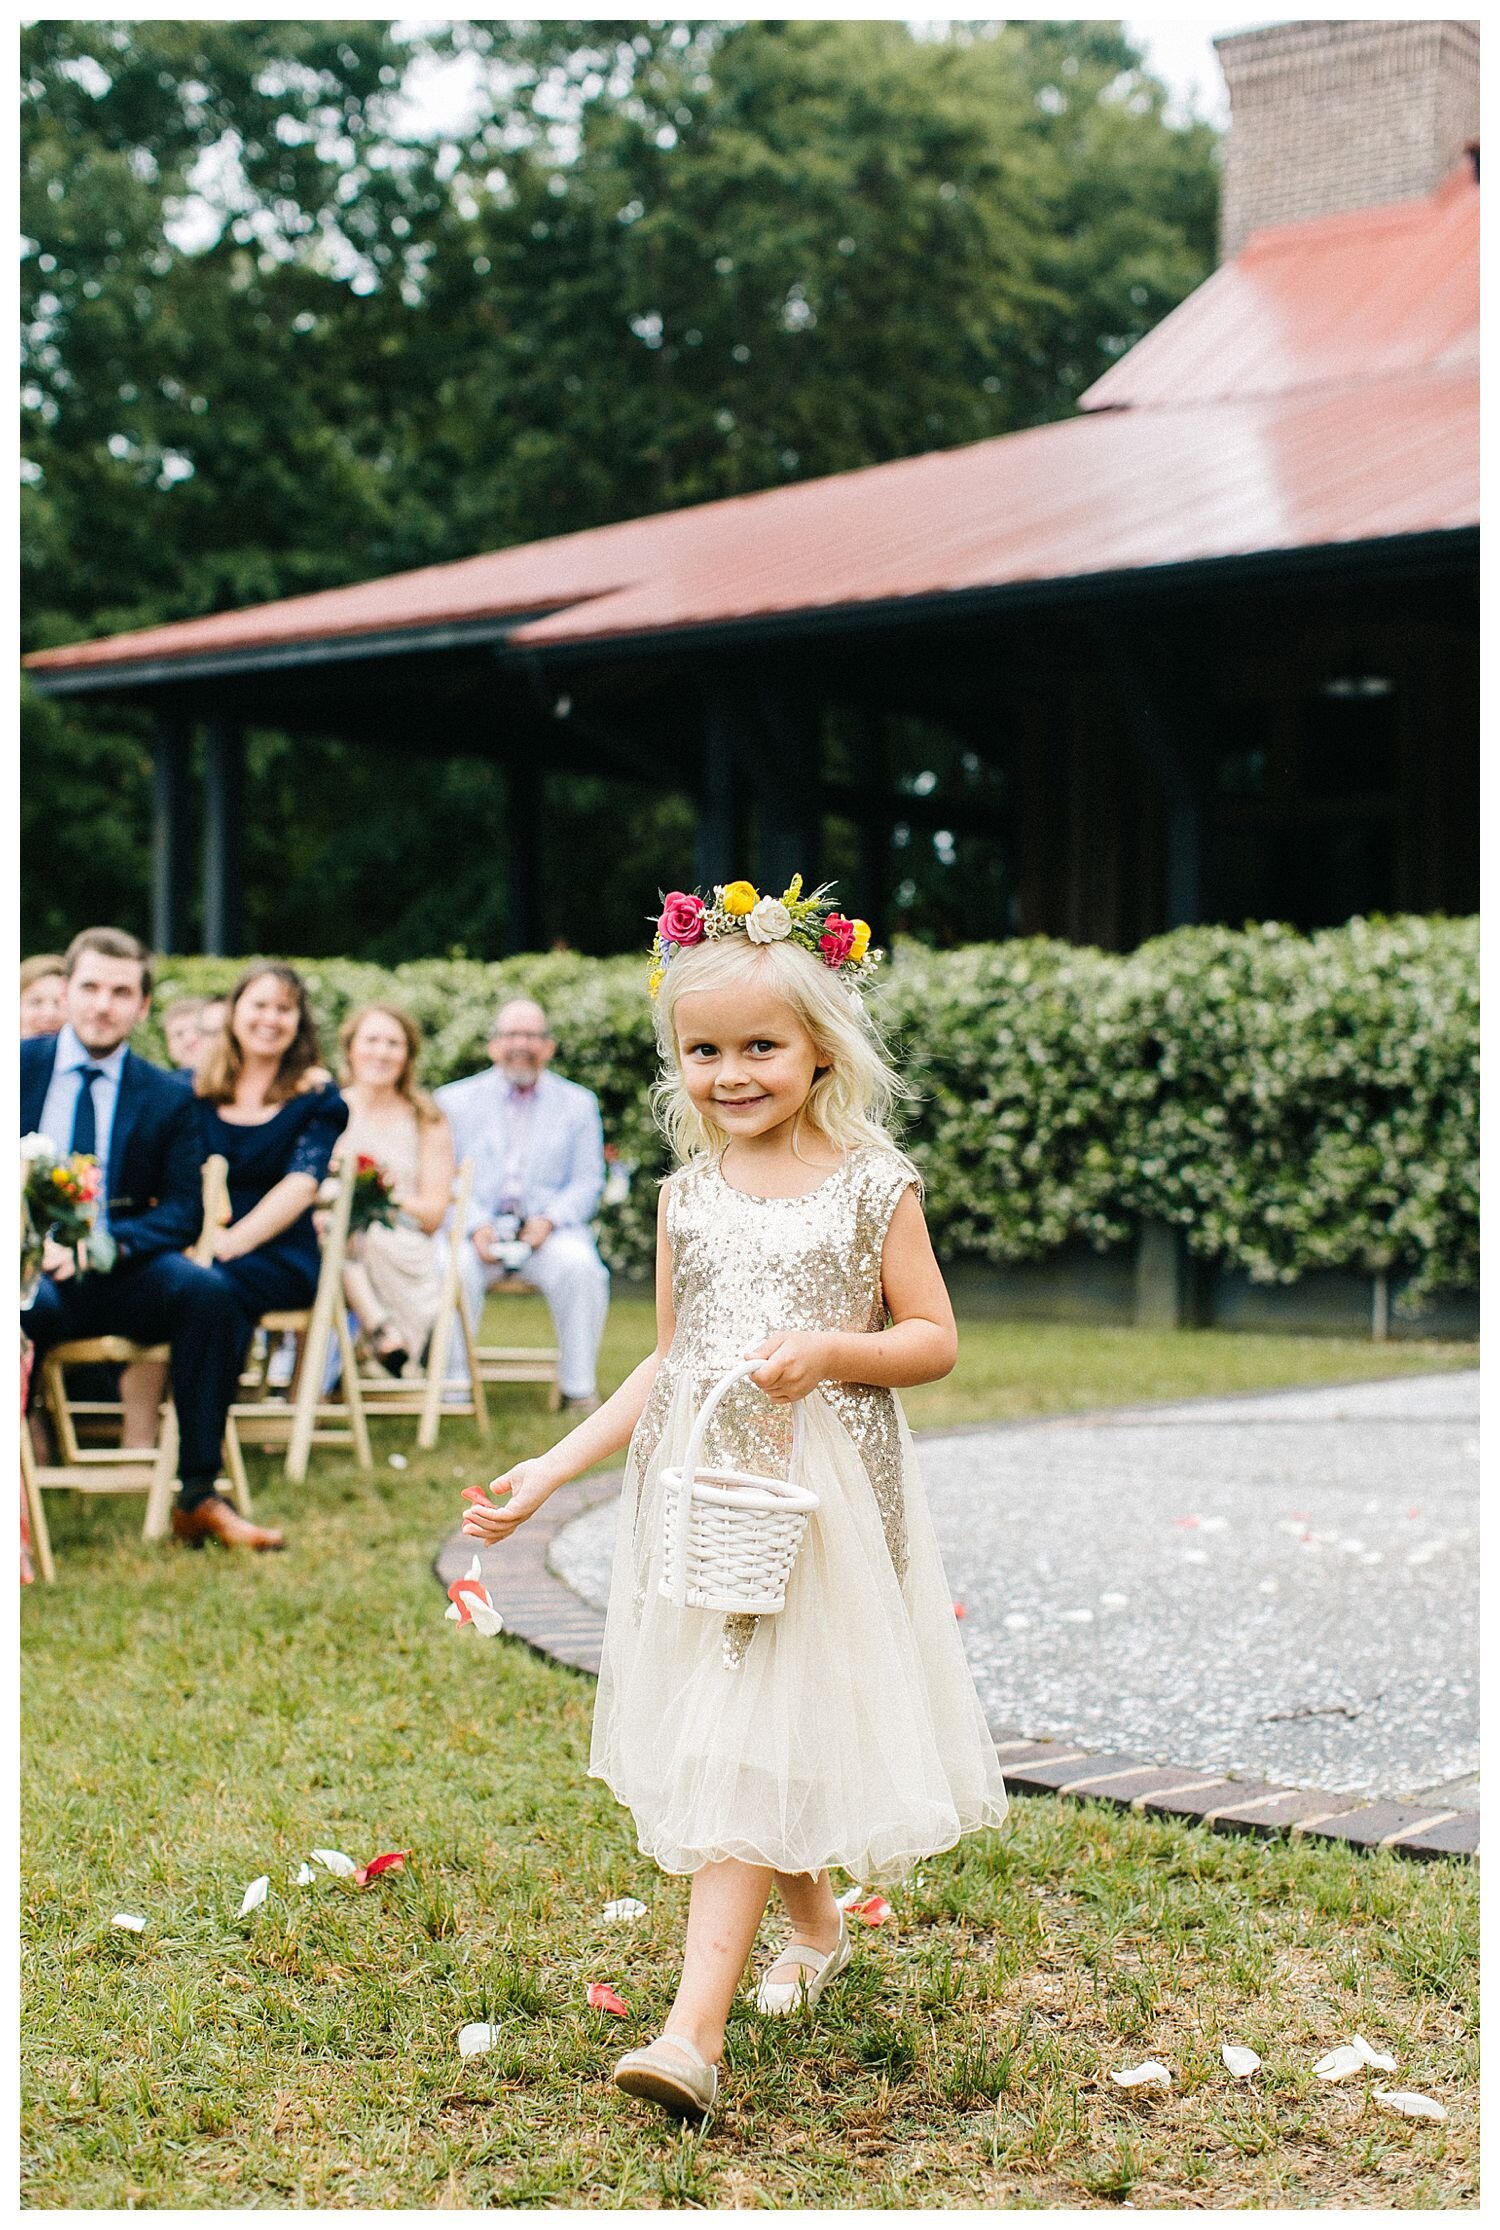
[673,2073]
[817,1970]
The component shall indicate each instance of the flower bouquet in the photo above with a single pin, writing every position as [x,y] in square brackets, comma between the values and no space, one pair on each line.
[374,1198]
[60,1197]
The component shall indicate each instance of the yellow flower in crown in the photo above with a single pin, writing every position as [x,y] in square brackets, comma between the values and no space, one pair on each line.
[861,944]
[740,898]
[654,980]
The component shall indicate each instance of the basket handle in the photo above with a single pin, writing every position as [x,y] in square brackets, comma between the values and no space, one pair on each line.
[696,1437]
[711,1402]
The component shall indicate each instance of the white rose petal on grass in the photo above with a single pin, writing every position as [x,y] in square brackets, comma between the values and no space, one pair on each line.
[476,2036]
[1076,1618]
[1349,2059]
[1239,2059]
[624,1908]
[1269,1587]
[1195,1556]
[1414,2104]
[133,1921]
[305,1875]
[768,922]
[397,1462]
[1149,2076]
[1335,2065]
[1016,1622]
[1213,1525]
[256,1894]
[850,1898]
[337,1862]
[1113,1600]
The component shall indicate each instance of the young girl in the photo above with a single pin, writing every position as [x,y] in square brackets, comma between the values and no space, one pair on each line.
[843,1730]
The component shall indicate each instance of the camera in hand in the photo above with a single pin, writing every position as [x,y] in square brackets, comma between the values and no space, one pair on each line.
[511,1251]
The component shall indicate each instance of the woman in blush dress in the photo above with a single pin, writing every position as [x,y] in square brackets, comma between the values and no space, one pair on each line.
[393,1278]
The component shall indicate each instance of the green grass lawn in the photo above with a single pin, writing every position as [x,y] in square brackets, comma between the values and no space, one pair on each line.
[193,1721]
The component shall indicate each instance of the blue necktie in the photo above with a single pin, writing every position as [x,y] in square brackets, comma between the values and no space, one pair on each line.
[84,1133]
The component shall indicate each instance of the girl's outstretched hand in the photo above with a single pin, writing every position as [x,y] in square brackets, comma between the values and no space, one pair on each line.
[795,1362]
[528,1486]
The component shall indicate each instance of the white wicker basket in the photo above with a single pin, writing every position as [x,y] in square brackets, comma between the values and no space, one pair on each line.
[730,1538]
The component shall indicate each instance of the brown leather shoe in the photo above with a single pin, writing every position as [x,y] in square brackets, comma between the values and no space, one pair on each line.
[219,1520]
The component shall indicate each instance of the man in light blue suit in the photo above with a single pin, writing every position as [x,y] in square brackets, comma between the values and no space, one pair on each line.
[537,1145]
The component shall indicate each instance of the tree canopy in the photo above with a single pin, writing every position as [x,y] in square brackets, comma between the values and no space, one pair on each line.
[280,333]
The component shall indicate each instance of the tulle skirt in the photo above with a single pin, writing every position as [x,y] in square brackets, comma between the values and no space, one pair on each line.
[842,1731]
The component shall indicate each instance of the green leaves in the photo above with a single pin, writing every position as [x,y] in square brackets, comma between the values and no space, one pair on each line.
[1291,1103]
[281,333]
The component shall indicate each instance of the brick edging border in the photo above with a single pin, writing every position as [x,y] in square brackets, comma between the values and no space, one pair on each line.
[545,1614]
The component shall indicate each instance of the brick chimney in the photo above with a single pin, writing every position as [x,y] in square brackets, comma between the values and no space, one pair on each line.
[1326,117]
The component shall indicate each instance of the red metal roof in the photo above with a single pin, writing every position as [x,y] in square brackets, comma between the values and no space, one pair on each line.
[1318,390]
[1353,297]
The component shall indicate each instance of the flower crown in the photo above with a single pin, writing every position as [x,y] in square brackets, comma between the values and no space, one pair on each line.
[738,910]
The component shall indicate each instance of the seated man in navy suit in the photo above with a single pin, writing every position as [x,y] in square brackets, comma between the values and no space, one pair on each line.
[86,1091]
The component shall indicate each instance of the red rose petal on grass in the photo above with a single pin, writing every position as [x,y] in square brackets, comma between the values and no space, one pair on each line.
[1185,1521]
[462,1594]
[959,1611]
[873,1912]
[389,1862]
[604,1998]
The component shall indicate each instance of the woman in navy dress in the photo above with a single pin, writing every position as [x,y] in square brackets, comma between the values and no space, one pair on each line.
[268,1106]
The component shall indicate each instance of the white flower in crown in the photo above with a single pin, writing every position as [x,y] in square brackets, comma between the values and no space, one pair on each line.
[768,922]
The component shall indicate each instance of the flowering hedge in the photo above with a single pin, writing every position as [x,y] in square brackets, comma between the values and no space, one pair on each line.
[1289,1102]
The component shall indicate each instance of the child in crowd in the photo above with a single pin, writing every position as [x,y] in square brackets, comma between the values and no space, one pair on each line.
[843,1730]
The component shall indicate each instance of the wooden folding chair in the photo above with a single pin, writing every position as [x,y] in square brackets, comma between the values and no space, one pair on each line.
[509,1366]
[309,1418]
[117,1470]
[520,1366]
[435,1393]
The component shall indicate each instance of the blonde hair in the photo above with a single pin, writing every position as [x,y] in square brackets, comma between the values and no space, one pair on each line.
[407,1087]
[856,1090]
[40,966]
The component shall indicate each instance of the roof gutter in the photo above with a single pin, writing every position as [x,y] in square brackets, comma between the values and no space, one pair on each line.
[255,658]
[1392,557]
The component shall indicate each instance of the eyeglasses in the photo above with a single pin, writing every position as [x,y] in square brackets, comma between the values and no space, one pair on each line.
[523,1037]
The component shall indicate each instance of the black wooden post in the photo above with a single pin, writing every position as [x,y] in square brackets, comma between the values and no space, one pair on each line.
[523,856]
[1184,893]
[721,798]
[760,747]
[872,899]
[223,837]
[169,832]
[786,764]
[1157,738]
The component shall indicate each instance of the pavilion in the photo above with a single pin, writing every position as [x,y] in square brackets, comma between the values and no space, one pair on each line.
[1205,651]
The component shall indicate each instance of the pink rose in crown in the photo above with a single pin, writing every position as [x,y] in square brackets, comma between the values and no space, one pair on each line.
[681,918]
[837,940]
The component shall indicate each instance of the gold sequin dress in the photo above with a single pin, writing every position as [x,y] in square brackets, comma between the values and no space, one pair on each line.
[845,1729]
